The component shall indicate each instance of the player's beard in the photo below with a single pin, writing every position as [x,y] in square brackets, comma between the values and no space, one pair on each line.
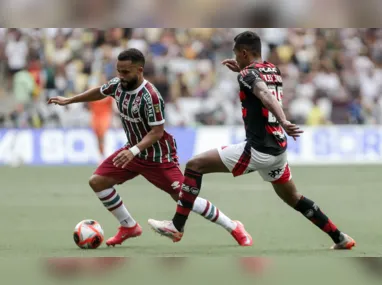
[130,85]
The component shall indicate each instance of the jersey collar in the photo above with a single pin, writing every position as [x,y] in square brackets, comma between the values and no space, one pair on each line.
[254,63]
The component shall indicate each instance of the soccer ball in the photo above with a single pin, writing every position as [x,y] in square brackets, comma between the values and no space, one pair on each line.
[88,234]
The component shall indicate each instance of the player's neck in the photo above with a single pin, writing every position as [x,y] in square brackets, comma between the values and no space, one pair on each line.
[256,59]
[139,82]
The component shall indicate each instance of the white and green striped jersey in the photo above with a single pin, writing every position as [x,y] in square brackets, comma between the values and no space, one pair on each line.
[139,110]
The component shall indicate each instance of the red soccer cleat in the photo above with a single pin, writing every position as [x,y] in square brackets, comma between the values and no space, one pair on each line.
[241,236]
[123,234]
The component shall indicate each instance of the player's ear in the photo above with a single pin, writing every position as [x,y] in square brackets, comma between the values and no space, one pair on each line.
[140,68]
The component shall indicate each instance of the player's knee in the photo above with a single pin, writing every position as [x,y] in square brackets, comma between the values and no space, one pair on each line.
[195,164]
[175,196]
[96,183]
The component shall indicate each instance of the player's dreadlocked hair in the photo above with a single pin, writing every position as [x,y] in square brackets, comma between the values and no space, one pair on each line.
[132,54]
[249,41]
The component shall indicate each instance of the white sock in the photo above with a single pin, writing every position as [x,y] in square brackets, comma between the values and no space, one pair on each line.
[212,213]
[113,202]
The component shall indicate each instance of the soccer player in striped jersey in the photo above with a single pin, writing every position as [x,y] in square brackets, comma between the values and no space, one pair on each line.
[150,151]
[263,151]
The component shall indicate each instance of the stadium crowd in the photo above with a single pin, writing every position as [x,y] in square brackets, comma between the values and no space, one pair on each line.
[331,76]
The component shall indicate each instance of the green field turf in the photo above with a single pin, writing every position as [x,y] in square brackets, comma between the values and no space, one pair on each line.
[40,207]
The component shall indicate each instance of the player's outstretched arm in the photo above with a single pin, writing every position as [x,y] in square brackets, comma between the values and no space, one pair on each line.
[90,95]
[261,91]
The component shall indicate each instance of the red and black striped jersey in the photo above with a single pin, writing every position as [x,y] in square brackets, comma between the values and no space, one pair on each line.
[263,131]
[139,110]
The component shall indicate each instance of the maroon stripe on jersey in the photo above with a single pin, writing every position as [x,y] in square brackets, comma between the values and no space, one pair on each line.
[156,101]
[109,89]
[173,147]
[271,130]
[132,135]
[163,146]
[243,162]
[143,129]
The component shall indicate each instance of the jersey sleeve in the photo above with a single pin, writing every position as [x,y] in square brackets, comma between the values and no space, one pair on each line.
[109,88]
[154,108]
[249,77]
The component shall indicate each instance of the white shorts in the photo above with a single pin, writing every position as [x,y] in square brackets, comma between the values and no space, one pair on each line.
[242,159]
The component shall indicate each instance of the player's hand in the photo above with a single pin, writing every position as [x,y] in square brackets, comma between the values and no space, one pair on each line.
[59,100]
[231,64]
[291,129]
[123,158]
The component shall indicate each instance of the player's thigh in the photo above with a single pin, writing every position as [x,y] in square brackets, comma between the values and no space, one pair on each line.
[237,158]
[167,177]
[207,162]
[117,174]
[275,169]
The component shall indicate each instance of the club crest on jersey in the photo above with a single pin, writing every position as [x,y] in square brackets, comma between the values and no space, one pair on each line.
[135,107]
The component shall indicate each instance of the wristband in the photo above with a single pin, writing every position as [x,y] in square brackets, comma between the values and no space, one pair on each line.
[135,150]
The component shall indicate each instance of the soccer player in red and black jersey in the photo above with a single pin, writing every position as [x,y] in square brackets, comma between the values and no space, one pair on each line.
[263,151]
[150,151]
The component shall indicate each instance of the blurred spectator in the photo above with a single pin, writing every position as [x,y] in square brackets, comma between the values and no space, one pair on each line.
[356,114]
[329,75]
[16,52]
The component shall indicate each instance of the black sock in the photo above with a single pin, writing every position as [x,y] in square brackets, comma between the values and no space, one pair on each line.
[313,213]
[188,193]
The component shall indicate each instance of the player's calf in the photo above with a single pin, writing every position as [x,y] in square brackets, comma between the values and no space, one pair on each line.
[206,162]
[288,193]
[106,193]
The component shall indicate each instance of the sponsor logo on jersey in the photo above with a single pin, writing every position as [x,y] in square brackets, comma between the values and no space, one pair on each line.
[268,69]
[127,118]
[151,112]
[157,108]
